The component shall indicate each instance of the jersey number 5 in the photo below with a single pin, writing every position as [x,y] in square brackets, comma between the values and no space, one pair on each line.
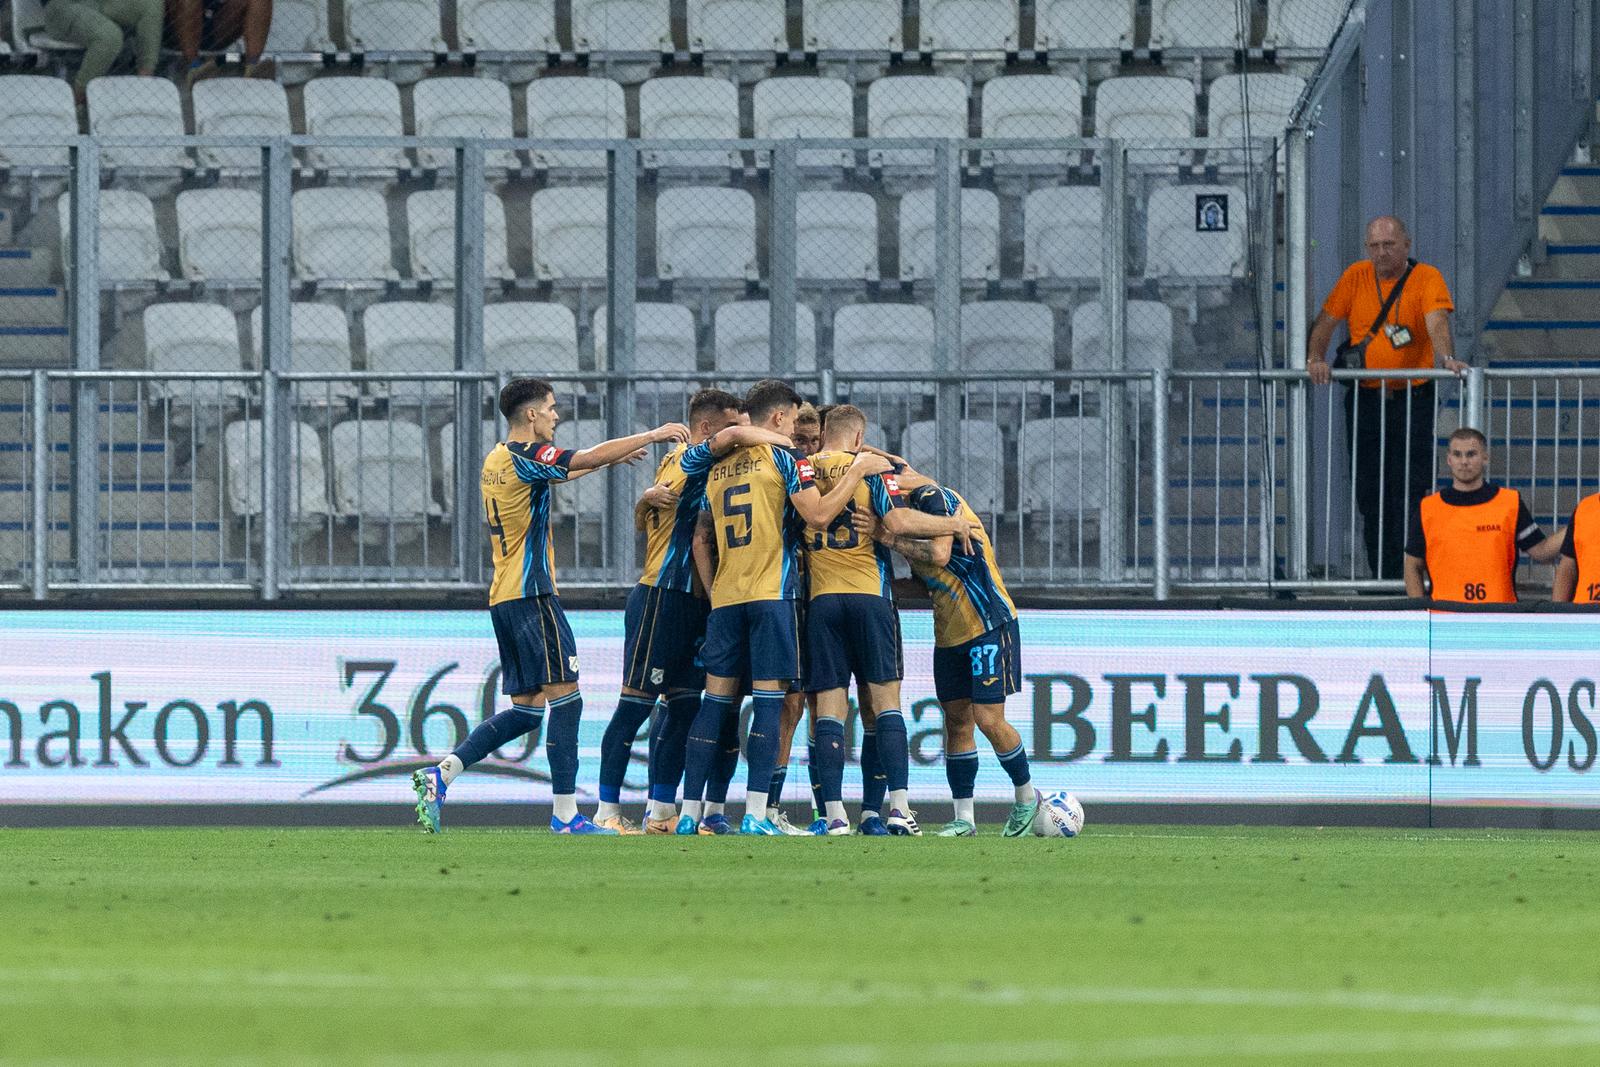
[730,509]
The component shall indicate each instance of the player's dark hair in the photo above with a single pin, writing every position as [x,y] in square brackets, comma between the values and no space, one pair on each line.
[520,391]
[844,418]
[822,412]
[767,394]
[931,499]
[708,403]
[1467,433]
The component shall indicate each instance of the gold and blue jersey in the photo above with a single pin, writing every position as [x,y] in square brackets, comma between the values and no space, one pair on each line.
[758,533]
[668,562]
[516,504]
[969,597]
[838,558]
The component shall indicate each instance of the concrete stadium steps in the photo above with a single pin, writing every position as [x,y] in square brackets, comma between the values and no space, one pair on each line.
[146,501]
[123,544]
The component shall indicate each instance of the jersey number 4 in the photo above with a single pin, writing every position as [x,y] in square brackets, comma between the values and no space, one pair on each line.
[491,515]
[739,510]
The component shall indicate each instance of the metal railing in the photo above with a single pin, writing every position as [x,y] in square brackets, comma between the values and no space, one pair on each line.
[1160,481]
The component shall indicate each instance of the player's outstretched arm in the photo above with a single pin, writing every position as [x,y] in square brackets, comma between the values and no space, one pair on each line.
[1415,569]
[1565,585]
[818,510]
[619,449]
[910,523]
[729,438]
[932,551]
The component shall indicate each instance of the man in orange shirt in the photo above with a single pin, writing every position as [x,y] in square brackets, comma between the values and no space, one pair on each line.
[1577,578]
[1389,426]
[1465,537]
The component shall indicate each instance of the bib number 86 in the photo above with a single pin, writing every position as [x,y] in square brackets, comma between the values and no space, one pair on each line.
[1476,591]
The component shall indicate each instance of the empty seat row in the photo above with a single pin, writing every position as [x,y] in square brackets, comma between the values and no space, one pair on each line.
[754,26]
[342,236]
[687,108]
[538,338]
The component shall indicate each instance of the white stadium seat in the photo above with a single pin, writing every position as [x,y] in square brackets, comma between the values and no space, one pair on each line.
[1175,248]
[431,225]
[852,26]
[507,26]
[575,108]
[1144,109]
[569,233]
[689,109]
[299,26]
[969,25]
[1062,233]
[621,26]
[910,106]
[192,337]
[1061,466]
[530,339]
[341,234]
[36,106]
[381,470]
[238,107]
[488,436]
[1271,100]
[308,478]
[409,335]
[980,479]
[392,26]
[130,249]
[706,233]
[743,338]
[836,236]
[1035,106]
[354,107]
[219,234]
[463,107]
[806,107]
[980,234]
[1303,24]
[1007,335]
[1198,24]
[127,106]
[868,338]
[1149,336]
[737,26]
[663,340]
[319,343]
[1085,24]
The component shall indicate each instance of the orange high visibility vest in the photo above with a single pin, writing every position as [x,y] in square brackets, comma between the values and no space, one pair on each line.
[1472,549]
[1586,545]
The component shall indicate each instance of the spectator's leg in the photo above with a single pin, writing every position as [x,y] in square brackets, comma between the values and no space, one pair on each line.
[144,18]
[1364,436]
[184,21]
[83,24]
[250,19]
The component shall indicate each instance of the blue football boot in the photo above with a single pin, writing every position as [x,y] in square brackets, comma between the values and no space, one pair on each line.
[429,786]
[579,824]
[754,827]
[872,826]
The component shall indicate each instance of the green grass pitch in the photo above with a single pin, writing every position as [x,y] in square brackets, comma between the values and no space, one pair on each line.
[1127,945]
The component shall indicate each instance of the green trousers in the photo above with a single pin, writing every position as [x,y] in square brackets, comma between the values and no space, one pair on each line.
[98,26]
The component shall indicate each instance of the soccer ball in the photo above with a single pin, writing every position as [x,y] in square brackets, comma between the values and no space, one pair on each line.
[1060,815]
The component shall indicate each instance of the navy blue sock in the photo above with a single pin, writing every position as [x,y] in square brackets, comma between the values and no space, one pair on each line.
[561,743]
[775,790]
[700,751]
[893,752]
[830,759]
[499,729]
[616,746]
[1015,763]
[961,771]
[811,772]
[670,736]
[873,782]
[761,746]
[726,763]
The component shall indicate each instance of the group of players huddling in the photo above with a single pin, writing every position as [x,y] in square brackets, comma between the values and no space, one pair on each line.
[767,573]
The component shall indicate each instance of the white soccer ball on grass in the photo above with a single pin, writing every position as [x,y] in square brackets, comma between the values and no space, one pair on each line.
[1060,815]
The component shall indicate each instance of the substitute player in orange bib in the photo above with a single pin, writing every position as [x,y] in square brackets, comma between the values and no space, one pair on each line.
[1465,537]
[1578,570]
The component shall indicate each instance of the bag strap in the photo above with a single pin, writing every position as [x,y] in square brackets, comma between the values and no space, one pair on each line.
[1394,295]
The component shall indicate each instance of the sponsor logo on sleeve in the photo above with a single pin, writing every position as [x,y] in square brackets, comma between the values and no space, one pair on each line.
[806,472]
[890,484]
[547,454]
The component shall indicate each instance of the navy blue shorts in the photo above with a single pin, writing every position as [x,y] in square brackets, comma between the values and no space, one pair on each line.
[985,670]
[536,645]
[851,635]
[758,640]
[662,633]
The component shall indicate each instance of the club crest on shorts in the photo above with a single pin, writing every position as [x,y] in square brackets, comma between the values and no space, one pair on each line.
[657,675]
[572,664]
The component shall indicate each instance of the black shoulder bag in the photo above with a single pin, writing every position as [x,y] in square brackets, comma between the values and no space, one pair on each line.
[1352,355]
